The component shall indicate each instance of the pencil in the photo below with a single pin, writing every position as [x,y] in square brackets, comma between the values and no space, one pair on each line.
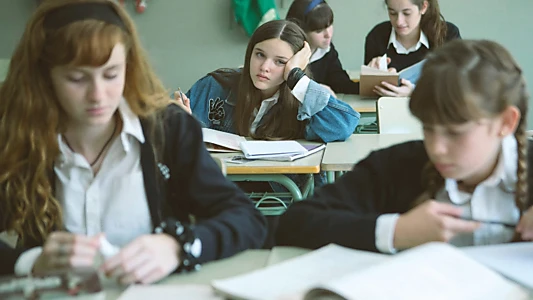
[505,224]
[181,94]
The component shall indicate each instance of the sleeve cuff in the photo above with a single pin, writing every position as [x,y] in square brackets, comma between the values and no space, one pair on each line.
[26,260]
[300,89]
[385,226]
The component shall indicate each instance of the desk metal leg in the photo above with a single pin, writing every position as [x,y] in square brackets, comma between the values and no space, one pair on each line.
[330,176]
[274,203]
[281,179]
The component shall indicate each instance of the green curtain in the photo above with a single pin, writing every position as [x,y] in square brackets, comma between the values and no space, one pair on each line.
[250,14]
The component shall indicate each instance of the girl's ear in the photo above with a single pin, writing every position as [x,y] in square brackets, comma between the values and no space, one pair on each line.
[425,7]
[510,118]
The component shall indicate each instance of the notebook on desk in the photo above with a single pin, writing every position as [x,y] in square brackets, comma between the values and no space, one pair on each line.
[220,141]
[431,271]
[278,150]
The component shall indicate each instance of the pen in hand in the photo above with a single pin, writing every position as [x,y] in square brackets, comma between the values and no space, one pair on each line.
[491,222]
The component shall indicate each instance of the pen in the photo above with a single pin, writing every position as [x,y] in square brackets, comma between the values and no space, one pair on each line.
[181,94]
[505,224]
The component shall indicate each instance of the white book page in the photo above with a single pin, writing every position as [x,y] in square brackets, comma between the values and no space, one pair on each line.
[513,260]
[383,62]
[228,140]
[252,148]
[177,291]
[290,279]
[434,271]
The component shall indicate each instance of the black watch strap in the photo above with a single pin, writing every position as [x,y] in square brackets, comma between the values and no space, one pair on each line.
[294,76]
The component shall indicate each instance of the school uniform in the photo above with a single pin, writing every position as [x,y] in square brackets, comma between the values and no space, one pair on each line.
[138,187]
[326,68]
[361,208]
[382,39]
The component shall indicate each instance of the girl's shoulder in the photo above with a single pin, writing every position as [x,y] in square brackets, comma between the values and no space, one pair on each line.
[452,31]
[382,29]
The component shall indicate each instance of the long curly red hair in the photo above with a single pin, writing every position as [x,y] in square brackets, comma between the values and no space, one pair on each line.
[30,116]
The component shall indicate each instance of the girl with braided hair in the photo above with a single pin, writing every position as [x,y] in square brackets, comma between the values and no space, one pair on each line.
[466,183]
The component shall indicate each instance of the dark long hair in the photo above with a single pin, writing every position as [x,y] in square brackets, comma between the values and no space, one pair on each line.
[281,121]
[469,80]
[318,18]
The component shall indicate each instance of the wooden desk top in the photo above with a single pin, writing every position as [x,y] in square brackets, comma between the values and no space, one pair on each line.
[342,156]
[306,165]
[360,105]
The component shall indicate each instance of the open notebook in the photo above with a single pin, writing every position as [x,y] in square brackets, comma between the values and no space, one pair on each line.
[370,77]
[432,271]
[218,141]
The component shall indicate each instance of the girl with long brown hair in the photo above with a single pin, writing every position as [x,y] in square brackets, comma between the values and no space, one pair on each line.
[93,149]
[415,27]
[271,97]
[466,183]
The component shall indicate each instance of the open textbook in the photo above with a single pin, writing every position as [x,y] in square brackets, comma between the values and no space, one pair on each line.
[512,260]
[218,141]
[431,271]
[370,77]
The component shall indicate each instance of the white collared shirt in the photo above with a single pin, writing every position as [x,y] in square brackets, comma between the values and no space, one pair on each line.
[298,92]
[400,49]
[114,201]
[492,200]
[318,54]
[93,204]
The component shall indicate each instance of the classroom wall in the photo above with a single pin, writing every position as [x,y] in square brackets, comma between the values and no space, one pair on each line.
[187,39]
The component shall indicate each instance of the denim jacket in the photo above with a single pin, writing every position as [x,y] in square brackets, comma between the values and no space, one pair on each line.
[214,96]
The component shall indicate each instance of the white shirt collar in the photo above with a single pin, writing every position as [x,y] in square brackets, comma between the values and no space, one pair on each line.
[400,49]
[131,127]
[266,105]
[504,174]
[319,53]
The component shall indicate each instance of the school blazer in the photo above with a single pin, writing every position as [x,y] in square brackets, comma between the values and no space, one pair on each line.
[345,213]
[226,220]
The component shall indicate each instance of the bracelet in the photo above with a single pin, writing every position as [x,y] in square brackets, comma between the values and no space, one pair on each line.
[184,234]
[294,76]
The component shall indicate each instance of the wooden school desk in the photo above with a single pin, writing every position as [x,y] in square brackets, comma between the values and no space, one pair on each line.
[342,156]
[274,171]
[363,106]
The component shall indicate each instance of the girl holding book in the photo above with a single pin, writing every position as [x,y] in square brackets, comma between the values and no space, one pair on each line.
[466,183]
[93,147]
[315,17]
[271,97]
[415,28]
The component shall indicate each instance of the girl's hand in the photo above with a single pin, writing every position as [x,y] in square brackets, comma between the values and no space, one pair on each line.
[63,250]
[389,90]
[429,222]
[525,225]
[298,60]
[146,259]
[183,102]
[374,63]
